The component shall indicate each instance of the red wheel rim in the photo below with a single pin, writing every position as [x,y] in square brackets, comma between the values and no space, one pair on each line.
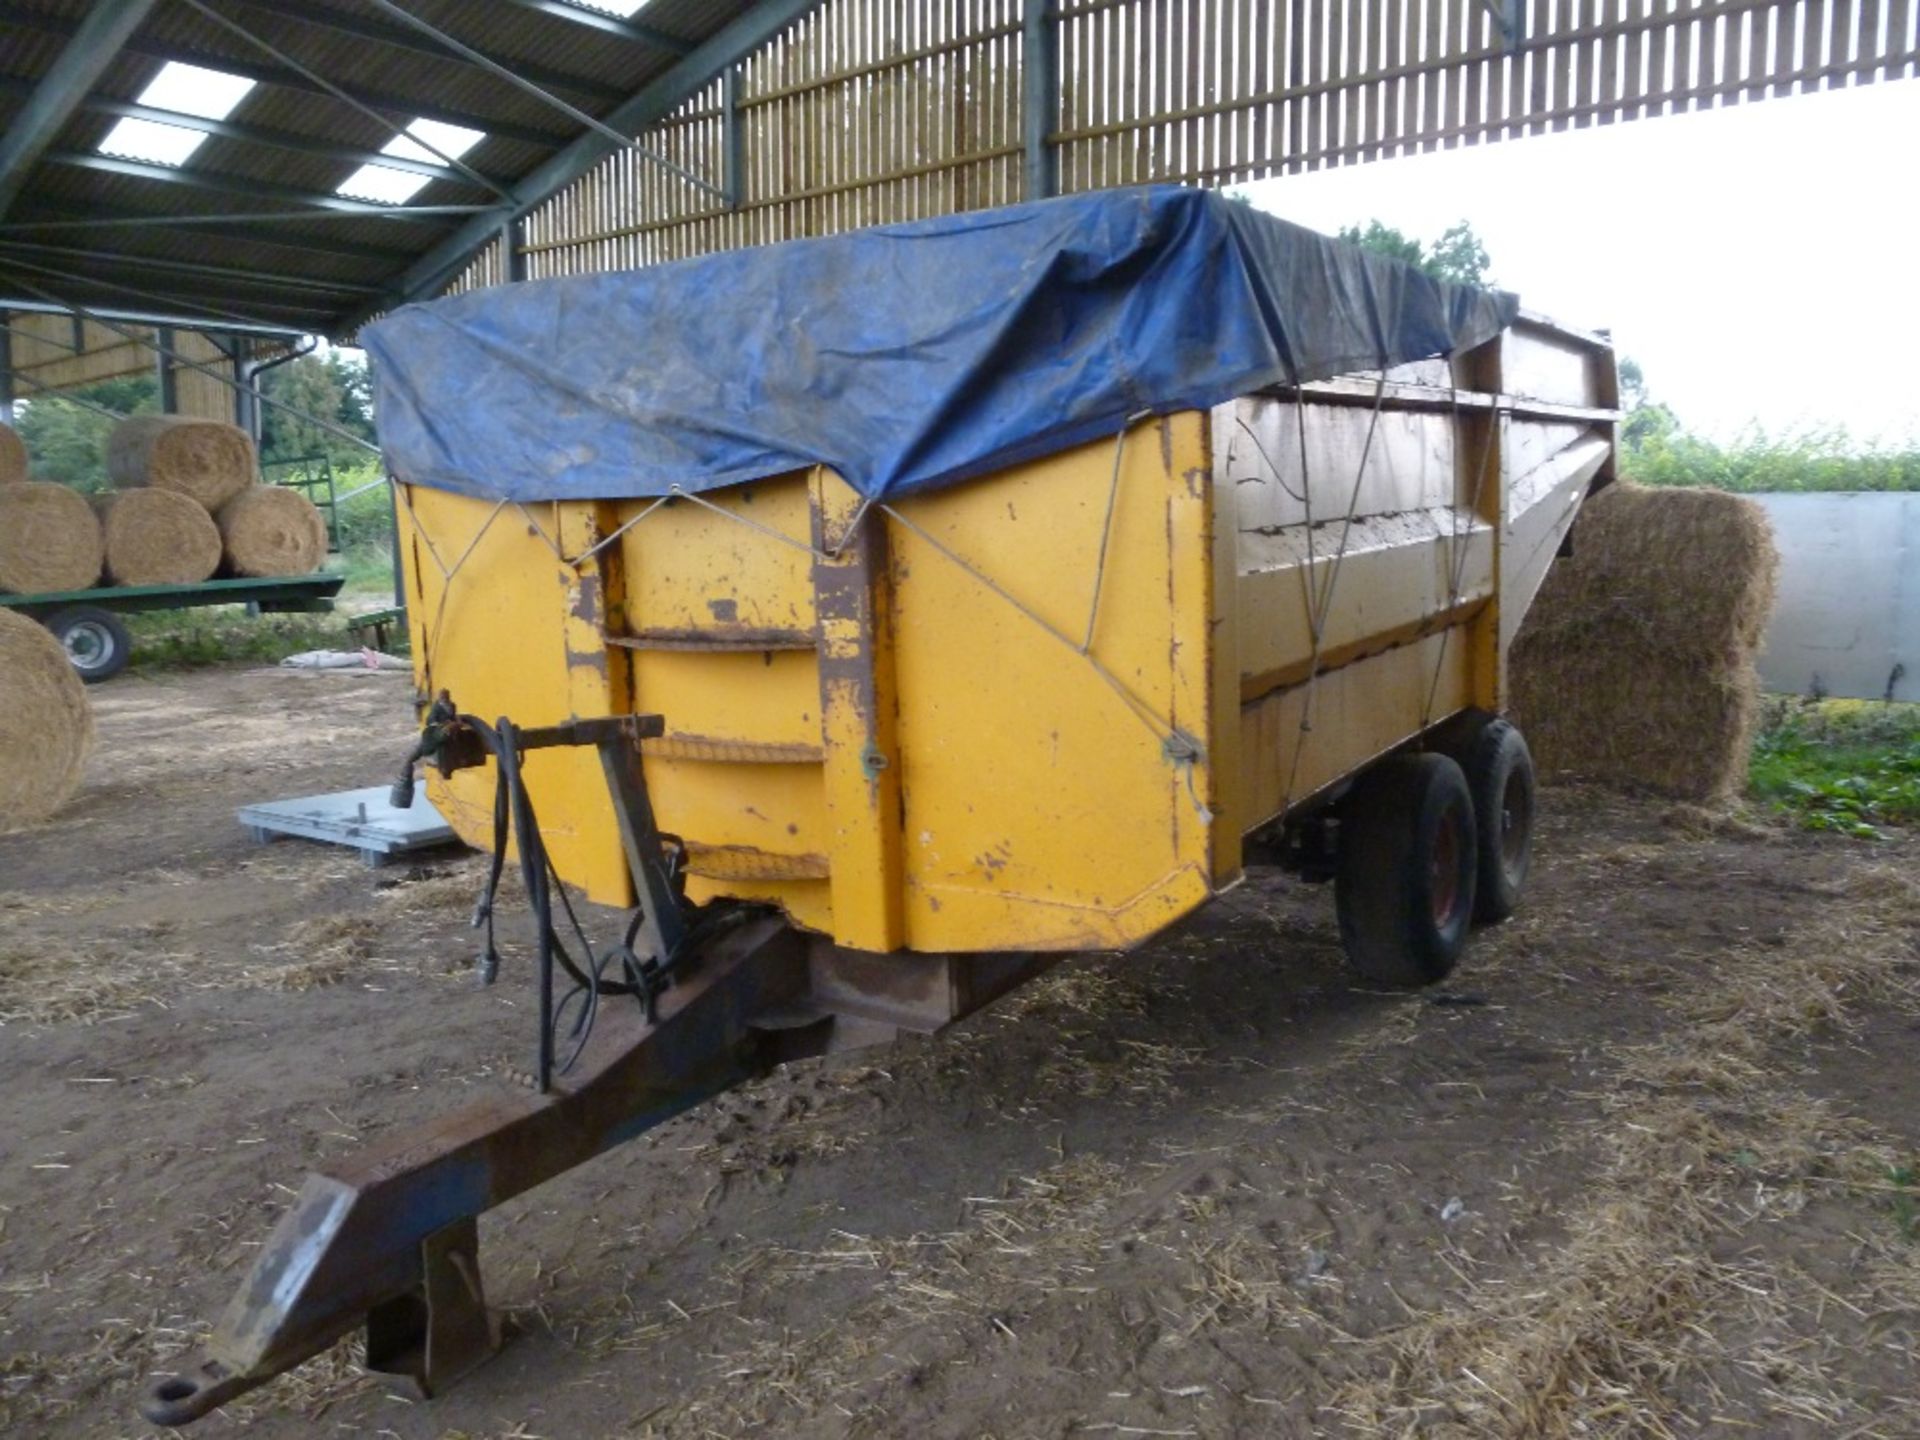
[1444,876]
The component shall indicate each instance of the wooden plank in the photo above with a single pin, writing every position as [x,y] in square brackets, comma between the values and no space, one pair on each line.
[1813,40]
[1398,99]
[1460,39]
[1431,83]
[1265,39]
[1539,70]
[1870,51]
[1565,58]
[1685,28]
[1635,87]
[1316,40]
[1658,40]
[1478,24]
[1842,15]
[1758,25]
[1515,67]
[1612,12]
[1354,109]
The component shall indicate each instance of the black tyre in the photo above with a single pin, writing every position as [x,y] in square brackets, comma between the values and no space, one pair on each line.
[96,641]
[1407,870]
[1499,770]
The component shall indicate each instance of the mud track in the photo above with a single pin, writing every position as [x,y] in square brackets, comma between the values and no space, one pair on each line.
[1637,1170]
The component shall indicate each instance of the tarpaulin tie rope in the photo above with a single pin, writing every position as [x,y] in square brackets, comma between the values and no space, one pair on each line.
[1106,525]
[447,574]
[1148,717]
[1179,748]
[1318,615]
[1160,729]
[1459,555]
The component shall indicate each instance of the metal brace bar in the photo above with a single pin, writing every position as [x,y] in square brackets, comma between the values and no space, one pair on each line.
[210,311]
[397,131]
[169,387]
[573,112]
[94,46]
[55,391]
[733,139]
[1040,104]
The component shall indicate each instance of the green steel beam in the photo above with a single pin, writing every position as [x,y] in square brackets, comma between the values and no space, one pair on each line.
[342,23]
[225,184]
[92,46]
[608,24]
[405,107]
[250,134]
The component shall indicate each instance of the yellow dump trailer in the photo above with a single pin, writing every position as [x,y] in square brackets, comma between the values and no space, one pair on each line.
[1043,709]
[876,619]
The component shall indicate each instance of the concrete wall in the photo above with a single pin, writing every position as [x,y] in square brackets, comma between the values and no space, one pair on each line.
[1848,619]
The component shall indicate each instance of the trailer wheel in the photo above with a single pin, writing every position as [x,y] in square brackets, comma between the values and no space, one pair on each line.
[1499,770]
[1407,870]
[95,641]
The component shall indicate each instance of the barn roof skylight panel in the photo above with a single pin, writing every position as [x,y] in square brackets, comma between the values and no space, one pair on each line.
[151,141]
[385,185]
[622,8]
[186,90]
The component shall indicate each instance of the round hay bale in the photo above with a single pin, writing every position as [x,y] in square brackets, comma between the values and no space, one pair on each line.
[270,530]
[13,456]
[46,724]
[49,539]
[158,537]
[209,460]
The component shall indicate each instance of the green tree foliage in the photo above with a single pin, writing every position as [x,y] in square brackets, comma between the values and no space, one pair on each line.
[67,440]
[1457,255]
[331,387]
[1656,449]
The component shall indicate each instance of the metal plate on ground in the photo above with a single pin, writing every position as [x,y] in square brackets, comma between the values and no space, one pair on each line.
[361,819]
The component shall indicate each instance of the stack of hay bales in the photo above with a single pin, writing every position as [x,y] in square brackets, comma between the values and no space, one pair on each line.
[1635,665]
[260,530]
[187,500]
[13,456]
[46,725]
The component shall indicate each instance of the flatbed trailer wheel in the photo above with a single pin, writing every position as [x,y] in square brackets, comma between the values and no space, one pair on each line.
[1407,870]
[96,641]
[1499,770]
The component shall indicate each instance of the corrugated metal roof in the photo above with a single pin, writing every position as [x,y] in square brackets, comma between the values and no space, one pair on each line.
[291,140]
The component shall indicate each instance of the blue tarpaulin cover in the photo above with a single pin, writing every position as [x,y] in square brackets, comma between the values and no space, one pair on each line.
[905,357]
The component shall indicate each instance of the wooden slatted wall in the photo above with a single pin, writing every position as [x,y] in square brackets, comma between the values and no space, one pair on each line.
[881,110]
[1223,90]
[866,111]
[52,353]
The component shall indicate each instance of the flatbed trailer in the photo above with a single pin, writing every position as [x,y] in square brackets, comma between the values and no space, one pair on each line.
[87,622]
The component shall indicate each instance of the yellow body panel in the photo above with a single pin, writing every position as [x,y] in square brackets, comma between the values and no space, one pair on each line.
[1038,710]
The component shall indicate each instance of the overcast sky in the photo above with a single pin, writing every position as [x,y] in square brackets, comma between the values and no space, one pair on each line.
[1761,262]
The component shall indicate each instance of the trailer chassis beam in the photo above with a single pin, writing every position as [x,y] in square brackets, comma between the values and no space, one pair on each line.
[388,1239]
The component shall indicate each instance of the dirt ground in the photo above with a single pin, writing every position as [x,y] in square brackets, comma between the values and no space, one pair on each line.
[1644,1167]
